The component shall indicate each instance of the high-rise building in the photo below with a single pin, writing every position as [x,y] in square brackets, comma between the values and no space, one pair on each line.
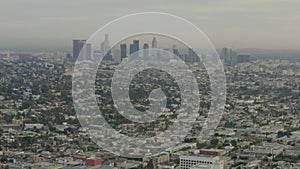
[225,56]
[135,46]
[146,46]
[106,39]
[192,56]
[131,49]
[105,48]
[87,51]
[105,44]
[123,51]
[243,58]
[233,58]
[175,50]
[200,162]
[77,46]
[154,43]
[146,51]
[116,55]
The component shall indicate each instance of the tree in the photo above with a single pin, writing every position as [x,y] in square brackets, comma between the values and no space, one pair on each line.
[233,143]
[214,141]
[3,159]
[150,164]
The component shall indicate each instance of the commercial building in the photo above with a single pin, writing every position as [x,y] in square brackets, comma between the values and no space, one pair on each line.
[123,51]
[77,46]
[93,161]
[154,43]
[212,152]
[201,162]
[243,58]
[146,51]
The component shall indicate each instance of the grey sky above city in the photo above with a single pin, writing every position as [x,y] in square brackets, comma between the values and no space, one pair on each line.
[52,24]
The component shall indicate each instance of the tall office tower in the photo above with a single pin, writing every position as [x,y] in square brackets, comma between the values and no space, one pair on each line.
[146,46]
[87,49]
[154,43]
[190,51]
[116,55]
[175,51]
[77,46]
[123,51]
[146,51]
[225,56]
[243,58]
[131,49]
[106,39]
[135,46]
[184,57]
[192,56]
[201,162]
[105,48]
[105,44]
[195,56]
[233,57]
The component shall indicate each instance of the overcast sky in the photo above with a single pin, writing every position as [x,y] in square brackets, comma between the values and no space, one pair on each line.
[34,24]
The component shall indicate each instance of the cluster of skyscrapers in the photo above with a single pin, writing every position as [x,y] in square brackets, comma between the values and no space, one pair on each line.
[86,51]
[190,57]
[230,57]
[123,52]
[134,47]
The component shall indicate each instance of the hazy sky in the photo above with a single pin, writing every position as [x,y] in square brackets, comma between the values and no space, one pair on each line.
[34,24]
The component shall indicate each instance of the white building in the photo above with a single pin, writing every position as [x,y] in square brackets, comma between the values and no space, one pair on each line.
[201,162]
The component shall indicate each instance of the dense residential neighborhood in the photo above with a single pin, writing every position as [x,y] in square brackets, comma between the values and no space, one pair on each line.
[260,127]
